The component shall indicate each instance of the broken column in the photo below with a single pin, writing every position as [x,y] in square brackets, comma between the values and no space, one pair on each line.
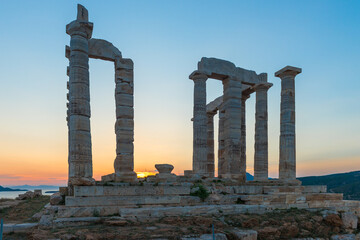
[210,144]
[124,126]
[287,161]
[80,155]
[232,130]
[261,132]
[199,124]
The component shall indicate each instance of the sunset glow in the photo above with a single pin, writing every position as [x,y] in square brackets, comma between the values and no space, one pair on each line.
[166,39]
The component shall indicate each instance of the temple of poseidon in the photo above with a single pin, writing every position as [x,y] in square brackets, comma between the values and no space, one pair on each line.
[198,191]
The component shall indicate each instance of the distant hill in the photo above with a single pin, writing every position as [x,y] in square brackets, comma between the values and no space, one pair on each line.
[6,189]
[346,183]
[43,187]
[249,177]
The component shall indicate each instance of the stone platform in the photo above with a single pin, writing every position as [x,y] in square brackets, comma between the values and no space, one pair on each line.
[182,198]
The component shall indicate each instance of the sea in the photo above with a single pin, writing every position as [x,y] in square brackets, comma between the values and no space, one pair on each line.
[14,194]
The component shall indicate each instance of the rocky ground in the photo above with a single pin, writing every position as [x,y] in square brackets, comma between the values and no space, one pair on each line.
[280,224]
[20,211]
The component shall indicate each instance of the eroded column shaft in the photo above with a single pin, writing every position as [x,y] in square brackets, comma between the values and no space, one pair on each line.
[124,126]
[221,145]
[200,126]
[261,134]
[287,161]
[210,145]
[234,168]
[80,154]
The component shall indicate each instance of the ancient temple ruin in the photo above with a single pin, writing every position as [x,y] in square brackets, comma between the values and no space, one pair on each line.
[198,191]
[238,85]
[82,47]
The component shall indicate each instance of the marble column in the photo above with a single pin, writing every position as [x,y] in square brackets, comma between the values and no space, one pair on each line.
[80,155]
[221,145]
[199,124]
[287,161]
[210,144]
[232,130]
[261,133]
[124,126]
[243,131]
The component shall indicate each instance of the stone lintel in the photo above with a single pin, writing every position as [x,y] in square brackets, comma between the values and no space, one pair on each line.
[221,69]
[102,49]
[213,106]
[288,71]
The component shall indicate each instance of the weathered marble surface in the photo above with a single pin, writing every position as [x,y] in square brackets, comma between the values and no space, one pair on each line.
[261,132]
[80,154]
[287,161]
[199,124]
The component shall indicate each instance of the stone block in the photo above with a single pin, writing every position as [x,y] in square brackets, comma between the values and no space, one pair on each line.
[89,191]
[122,148]
[124,112]
[350,220]
[244,234]
[79,122]
[323,196]
[120,200]
[124,124]
[123,99]
[124,88]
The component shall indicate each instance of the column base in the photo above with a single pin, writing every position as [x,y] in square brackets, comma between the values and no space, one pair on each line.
[290,182]
[120,177]
[81,181]
[241,178]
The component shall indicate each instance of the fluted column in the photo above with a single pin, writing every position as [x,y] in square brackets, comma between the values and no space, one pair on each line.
[287,161]
[199,124]
[243,131]
[261,133]
[232,130]
[210,144]
[124,126]
[221,145]
[80,155]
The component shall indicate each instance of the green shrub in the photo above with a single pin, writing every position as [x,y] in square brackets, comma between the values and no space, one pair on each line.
[201,192]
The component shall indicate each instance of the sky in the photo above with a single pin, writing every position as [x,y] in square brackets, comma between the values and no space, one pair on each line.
[166,39]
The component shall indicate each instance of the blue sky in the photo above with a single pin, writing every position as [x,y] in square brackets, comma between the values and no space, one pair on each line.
[165,39]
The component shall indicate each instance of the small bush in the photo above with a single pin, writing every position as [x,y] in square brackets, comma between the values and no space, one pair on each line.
[201,192]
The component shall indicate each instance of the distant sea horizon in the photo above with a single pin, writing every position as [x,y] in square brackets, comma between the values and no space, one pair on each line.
[14,194]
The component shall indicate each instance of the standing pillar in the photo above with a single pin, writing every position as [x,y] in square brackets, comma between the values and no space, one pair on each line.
[221,145]
[199,124]
[243,131]
[287,162]
[80,155]
[261,133]
[232,130]
[210,144]
[124,126]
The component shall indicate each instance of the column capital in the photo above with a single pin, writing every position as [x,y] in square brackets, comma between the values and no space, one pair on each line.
[197,75]
[288,71]
[262,86]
